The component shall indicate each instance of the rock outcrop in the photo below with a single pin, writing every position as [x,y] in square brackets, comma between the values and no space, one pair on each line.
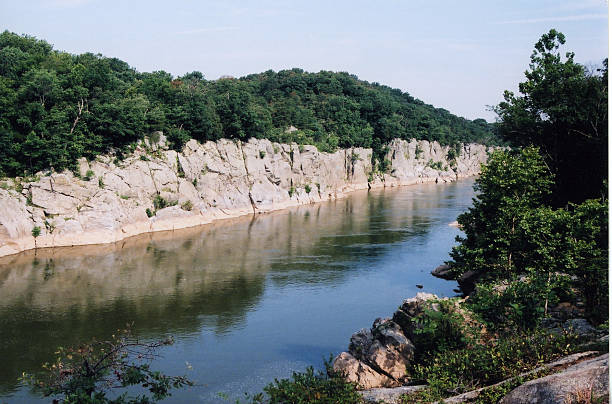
[159,189]
[386,349]
[584,382]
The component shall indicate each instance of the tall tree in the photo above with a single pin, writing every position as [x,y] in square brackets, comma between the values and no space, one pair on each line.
[563,109]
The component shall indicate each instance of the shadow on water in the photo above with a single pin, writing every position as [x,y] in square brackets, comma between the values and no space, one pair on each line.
[186,282]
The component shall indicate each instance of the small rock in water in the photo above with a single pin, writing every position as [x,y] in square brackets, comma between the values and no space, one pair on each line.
[419,286]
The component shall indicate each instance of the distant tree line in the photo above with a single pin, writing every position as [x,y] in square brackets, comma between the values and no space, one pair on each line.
[56,107]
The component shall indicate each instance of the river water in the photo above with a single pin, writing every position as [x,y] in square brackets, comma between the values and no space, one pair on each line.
[247,300]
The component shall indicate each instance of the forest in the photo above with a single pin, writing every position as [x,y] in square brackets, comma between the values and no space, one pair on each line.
[56,107]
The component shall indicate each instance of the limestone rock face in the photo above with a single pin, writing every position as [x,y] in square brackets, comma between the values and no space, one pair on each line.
[360,373]
[581,383]
[204,182]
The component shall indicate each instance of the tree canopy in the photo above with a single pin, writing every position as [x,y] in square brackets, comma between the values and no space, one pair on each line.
[56,107]
[563,109]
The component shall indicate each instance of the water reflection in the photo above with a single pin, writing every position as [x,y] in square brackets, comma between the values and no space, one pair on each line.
[207,278]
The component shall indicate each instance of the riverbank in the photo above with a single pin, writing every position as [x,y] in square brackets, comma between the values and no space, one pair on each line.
[433,350]
[157,189]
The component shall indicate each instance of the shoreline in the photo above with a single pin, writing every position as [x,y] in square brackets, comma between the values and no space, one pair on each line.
[170,224]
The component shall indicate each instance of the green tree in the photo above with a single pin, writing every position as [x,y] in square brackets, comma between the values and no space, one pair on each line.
[562,108]
[511,183]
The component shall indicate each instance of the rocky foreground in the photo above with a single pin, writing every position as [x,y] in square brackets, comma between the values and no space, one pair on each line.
[378,357]
[157,189]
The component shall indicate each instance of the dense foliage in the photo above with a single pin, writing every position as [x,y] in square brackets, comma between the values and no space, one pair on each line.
[323,387]
[563,109]
[98,372]
[527,253]
[56,107]
[452,372]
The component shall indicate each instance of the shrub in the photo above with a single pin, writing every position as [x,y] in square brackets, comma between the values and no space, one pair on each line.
[262,154]
[87,373]
[195,182]
[436,165]
[441,327]
[149,213]
[418,152]
[179,168]
[187,205]
[456,371]
[89,175]
[322,387]
[144,158]
[291,191]
[307,188]
[100,182]
[159,202]
[35,231]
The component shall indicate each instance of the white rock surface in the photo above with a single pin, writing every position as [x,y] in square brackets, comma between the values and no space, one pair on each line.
[218,180]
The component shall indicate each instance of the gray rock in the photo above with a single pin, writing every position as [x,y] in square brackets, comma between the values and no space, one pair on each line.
[443,272]
[360,343]
[390,334]
[388,395]
[580,383]
[411,308]
[579,326]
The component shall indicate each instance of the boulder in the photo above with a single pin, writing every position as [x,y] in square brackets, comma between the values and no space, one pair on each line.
[390,334]
[358,372]
[584,382]
[467,281]
[388,359]
[580,327]
[443,272]
[388,395]
[360,343]
[411,308]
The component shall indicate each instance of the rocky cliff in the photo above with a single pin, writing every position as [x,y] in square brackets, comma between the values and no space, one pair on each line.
[159,189]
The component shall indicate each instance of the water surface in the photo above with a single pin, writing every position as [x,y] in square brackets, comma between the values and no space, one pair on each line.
[247,300]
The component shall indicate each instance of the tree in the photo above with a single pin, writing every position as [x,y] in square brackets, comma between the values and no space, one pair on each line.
[89,372]
[510,184]
[563,109]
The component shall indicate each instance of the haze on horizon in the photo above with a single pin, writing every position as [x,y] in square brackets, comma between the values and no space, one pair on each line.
[460,57]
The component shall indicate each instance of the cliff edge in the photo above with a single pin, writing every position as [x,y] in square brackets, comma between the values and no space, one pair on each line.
[157,189]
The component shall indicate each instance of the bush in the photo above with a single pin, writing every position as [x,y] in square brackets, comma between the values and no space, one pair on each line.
[307,188]
[149,213]
[442,326]
[159,202]
[457,371]
[322,387]
[436,165]
[187,205]
[418,152]
[262,154]
[87,373]
[35,231]
[291,191]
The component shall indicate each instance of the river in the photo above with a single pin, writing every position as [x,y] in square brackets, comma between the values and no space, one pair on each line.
[247,300]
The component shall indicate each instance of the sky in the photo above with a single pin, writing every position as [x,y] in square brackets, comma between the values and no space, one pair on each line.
[457,55]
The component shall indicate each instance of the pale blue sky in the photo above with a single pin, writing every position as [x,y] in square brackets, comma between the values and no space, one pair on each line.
[458,55]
